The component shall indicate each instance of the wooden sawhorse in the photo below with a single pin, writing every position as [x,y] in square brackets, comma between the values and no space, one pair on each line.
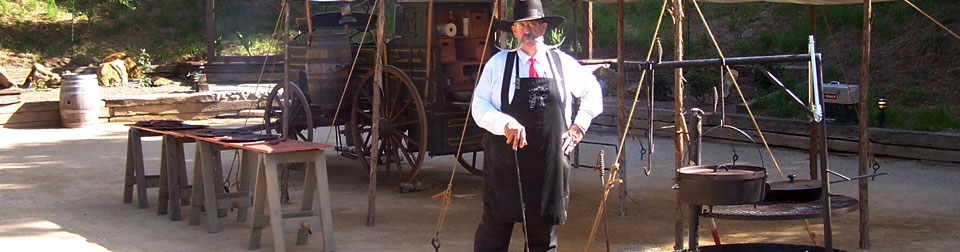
[267,194]
[172,164]
[208,191]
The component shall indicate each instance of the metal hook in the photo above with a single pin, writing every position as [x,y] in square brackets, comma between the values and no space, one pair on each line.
[436,244]
[876,167]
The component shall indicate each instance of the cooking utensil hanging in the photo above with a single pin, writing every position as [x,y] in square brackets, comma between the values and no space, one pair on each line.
[723,184]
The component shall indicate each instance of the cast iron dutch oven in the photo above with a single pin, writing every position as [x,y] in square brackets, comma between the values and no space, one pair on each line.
[722,184]
[794,190]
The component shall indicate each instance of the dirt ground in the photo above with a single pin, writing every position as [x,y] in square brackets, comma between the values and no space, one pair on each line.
[60,190]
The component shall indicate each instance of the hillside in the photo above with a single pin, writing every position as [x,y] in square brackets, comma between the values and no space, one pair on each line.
[912,64]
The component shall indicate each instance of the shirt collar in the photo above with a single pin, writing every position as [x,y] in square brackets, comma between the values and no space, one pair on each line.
[540,55]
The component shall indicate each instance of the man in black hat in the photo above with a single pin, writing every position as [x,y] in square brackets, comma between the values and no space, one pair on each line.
[523,100]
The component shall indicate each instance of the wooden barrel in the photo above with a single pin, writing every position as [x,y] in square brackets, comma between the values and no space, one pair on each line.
[79,100]
[327,65]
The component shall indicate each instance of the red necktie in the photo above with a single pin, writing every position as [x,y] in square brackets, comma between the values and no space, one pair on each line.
[533,72]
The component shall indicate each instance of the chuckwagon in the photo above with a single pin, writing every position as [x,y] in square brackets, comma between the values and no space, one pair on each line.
[426,90]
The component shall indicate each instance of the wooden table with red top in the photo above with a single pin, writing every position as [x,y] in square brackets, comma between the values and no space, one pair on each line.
[266,191]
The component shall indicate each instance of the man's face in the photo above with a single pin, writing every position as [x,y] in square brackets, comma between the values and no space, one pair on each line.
[527,32]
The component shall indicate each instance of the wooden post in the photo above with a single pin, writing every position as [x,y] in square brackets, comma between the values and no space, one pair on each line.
[864,145]
[589,30]
[285,100]
[375,128]
[211,52]
[576,10]
[426,89]
[585,8]
[621,125]
[813,124]
[677,115]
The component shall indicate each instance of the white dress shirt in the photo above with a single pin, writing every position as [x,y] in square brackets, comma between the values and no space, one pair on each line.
[577,82]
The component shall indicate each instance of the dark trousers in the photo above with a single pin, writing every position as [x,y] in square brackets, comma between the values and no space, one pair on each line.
[493,235]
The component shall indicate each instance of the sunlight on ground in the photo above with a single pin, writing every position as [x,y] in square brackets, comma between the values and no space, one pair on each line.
[42,236]
[13,137]
[15,187]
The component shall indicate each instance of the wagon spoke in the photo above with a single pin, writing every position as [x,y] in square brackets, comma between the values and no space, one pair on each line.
[409,139]
[406,123]
[406,154]
[400,150]
[402,108]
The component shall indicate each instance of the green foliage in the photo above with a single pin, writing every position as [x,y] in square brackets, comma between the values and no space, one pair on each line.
[663,88]
[772,100]
[700,82]
[913,96]
[131,4]
[832,72]
[51,9]
[145,68]
[40,84]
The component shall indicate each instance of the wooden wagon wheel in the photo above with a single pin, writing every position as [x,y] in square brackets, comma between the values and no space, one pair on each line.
[403,125]
[300,120]
[470,164]
[300,115]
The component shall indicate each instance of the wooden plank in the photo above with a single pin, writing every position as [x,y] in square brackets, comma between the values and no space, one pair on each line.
[245,77]
[167,109]
[243,68]
[170,99]
[244,59]
[934,140]
[8,97]
[182,116]
[234,201]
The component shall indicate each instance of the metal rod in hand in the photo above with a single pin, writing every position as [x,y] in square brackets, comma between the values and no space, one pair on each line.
[603,186]
[523,206]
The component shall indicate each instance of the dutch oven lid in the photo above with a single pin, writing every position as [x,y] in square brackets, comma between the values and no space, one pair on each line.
[723,172]
[795,184]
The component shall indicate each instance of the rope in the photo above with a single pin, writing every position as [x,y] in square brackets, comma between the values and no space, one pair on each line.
[931,19]
[350,75]
[833,43]
[445,195]
[263,66]
[611,181]
[716,45]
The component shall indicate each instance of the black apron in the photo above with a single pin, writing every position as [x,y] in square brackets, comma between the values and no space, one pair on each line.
[543,167]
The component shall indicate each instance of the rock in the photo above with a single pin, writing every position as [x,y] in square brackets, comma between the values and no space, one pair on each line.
[160,81]
[112,73]
[133,70]
[4,81]
[414,186]
[41,73]
[607,78]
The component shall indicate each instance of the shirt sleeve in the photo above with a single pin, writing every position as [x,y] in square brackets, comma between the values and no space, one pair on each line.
[486,97]
[583,85]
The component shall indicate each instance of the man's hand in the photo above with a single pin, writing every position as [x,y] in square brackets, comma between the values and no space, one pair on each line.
[571,138]
[516,134]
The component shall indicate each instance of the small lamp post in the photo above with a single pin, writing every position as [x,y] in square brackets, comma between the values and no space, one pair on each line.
[881,105]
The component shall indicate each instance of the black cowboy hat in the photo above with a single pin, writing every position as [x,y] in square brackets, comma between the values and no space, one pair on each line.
[527,10]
